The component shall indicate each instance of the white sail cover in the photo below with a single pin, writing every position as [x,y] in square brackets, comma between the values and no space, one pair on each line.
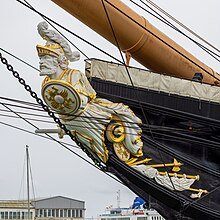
[152,81]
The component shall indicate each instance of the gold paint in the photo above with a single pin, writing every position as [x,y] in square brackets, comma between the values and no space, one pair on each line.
[137,139]
[131,161]
[180,175]
[198,190]
[50,49]
[46,79]
[66,118]
[59,106]
[68,82]
[175,165]
[112,135]
[139,152]
[121,151]
[144,161]
[104,156]
[62,74]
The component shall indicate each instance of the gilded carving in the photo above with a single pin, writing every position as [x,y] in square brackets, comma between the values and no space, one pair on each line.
[97,121]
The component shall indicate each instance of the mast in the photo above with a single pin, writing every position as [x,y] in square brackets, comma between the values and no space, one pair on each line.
[137,37]
[118,198]
[28,187]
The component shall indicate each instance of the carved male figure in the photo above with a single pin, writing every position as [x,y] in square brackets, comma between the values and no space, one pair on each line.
[96,121]
[69,93]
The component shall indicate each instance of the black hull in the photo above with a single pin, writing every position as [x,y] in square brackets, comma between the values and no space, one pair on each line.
[170,204]
[173,127]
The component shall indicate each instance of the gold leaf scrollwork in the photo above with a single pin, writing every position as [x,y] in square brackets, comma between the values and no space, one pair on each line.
[63,95]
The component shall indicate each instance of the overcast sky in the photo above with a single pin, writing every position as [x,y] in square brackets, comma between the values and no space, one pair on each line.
[55,170]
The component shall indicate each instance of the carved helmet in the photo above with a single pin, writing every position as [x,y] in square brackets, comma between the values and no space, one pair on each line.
[56,45]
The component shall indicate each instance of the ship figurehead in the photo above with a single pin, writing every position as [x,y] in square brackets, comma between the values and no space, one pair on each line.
[99,124]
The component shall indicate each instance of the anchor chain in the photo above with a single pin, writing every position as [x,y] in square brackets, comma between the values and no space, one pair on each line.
[50,113]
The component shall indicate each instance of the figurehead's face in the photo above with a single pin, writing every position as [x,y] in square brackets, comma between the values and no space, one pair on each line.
[48,65]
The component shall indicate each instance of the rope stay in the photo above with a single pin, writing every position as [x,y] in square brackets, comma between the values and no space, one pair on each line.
[165,21]
[180,23]
[51,114]
[104,52]
[134,88]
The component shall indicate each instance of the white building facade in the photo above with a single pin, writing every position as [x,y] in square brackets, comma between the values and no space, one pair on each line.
[57,208]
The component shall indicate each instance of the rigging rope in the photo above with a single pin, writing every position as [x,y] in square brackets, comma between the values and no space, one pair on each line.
[85,117]
[19,59]
[181,24]
[32,180]
[168,132]
[33,133]
[135,89]
[34,95]
[98,164]
[23,82]
[42,15]
[183,206]
[23,101]
[59,32]
[170,46]
[80,38]
[207,50]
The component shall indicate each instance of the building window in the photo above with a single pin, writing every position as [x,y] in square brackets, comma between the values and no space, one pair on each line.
[49,212]
[77,213]
[45,213]
[53,212]
[57,213]
[64,213]
[141,218]
[18,215]
[14,215]
[80,213]
[41,212]
[6,215]
[25,215]
[2,216]
[61,213]
[69,213]
[74,213]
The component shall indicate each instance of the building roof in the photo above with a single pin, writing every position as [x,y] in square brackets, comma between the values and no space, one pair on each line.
[58,202]
[51,202]
[14,204]
[54,197]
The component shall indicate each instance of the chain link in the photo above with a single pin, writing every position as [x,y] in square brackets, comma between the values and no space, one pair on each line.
[50,113]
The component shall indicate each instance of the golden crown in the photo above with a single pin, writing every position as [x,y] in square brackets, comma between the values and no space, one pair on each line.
[50,49]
